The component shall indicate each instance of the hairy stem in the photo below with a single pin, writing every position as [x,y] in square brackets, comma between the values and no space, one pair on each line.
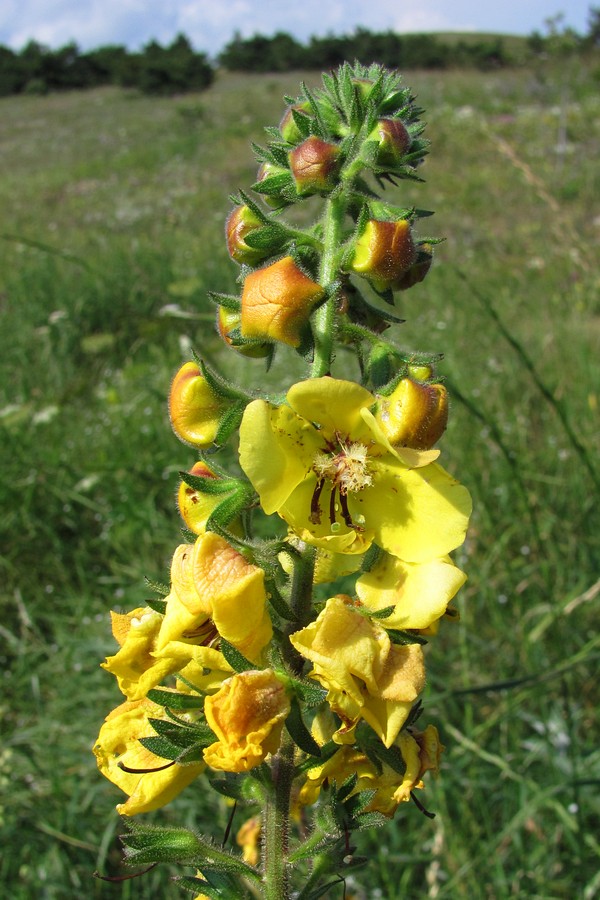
[324,318]
[276,822]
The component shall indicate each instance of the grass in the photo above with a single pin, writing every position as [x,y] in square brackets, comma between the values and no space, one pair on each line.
[111,217]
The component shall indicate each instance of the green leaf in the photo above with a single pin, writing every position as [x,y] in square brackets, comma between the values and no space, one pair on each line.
[227,301]
[270,237]
[236,660]
[384,613]
[273,185]
[163,590]
[159,606]
[299,732]
[397,636]
[175,700]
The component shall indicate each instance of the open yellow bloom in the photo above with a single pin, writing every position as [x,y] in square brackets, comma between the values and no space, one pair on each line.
[211,581]
[139,666]
[325,466]
[366,676]
[247,715]
[420,752]
[118,742]
[419,592]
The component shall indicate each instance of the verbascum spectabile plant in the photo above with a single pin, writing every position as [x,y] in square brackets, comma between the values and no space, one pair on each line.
[252,674]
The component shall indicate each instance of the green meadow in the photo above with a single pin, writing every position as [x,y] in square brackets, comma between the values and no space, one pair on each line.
[112,209]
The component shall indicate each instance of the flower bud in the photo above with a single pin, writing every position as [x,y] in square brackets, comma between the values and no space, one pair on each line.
[288,128]
[417,272]
[196,507]
[277,301]
[268,170]
[195,409]
[415,415]
[314,164]
[383,252]
[393,141]
[240,222]
[420,372]
[227,321]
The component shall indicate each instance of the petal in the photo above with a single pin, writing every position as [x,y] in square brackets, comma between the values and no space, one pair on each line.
[420,592]
[417,515]
[276,451]
[337,537]
[332,403]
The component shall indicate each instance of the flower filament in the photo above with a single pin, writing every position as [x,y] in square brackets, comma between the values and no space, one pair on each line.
[346,467]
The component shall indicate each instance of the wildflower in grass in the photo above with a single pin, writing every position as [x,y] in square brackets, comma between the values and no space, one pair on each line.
[366,676]
[414,414]
[212,583]
[324,465]
[195,409]
[143,776]
[247,715]
[277,301]
[419,593]
[240,666]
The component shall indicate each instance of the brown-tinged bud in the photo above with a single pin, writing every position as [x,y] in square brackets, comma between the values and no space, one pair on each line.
[277,301]
[383,252]
[288,128]
[417,272]
[229,320]
[195,506]
[195,409]
[314,164]
[415,415]
[240,222]
[393,141]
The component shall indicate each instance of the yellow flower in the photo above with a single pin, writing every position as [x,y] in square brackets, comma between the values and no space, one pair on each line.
[139,666]
[118,742]
[247,715]
[366,676]
[212,581]
[419,592]
[277,301]
[194,408]
[324,465]
[420,752]
[248,838]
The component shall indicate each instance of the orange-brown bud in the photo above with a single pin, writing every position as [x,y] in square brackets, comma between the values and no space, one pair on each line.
[288,128]
[240,222]
[314,164]
[384,251]
[415,415]
[277,301]
[393,139]
[227,321]
[194,408]
[194,506]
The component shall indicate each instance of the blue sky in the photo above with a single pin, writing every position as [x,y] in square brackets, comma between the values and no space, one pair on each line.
[210,24]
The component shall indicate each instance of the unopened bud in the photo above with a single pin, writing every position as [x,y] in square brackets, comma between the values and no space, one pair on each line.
[420,372]
[228,320]
[195,506]
[417,272]
[383,252]
[275,199]
[393,142]
[240,222]
[314,164]
[415,415]
[277,301]
[288,128]
[195,409]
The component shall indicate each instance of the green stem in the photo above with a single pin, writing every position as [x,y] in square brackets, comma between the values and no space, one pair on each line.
[324,318]
[276,821]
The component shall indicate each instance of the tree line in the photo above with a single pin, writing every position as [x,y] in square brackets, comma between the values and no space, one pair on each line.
[178,68]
